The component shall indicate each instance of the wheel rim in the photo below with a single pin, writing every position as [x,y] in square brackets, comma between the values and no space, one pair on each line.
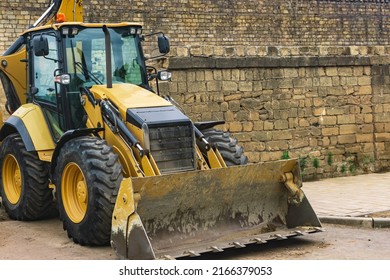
[12,179]
[74,192]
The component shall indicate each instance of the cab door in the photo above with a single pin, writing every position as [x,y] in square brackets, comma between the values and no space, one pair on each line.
[45,65]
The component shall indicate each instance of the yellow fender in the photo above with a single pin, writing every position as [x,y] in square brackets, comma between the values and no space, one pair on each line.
[31,125]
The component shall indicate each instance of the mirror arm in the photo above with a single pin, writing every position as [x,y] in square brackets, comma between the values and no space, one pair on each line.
[151,34]
[52,59]
[155,57]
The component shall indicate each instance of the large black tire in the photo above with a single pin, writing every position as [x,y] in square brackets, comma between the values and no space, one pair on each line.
[88,176]
[24,182]
[232,153]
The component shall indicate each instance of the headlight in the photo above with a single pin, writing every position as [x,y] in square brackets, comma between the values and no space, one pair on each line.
[63,79]
[164,75]
[145,130]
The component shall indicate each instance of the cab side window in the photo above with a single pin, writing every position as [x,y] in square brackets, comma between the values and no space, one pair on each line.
[44,67]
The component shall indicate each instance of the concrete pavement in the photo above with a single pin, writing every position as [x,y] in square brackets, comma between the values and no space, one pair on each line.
[349,200]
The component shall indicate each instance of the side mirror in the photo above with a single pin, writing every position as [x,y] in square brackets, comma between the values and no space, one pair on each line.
[163,44]
[34,90]
[41,46]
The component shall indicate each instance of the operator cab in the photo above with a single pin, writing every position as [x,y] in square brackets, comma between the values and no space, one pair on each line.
[68,57]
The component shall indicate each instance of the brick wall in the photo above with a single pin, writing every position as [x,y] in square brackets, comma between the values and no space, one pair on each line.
[331,111]
[229,23]
[254,22]
[307,78]
[16,16]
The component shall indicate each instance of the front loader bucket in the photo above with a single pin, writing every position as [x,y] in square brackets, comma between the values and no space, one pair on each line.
[191,213]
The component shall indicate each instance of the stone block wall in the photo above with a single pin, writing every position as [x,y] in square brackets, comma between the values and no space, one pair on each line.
[254,22]
[228,23]
[306,79]
[330,111]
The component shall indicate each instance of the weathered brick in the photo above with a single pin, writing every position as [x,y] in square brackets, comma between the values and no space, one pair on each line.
[196,87]
[347,139]
[328,120]
[224,106]
[348,129]
[351,81]
[365,90]
[382,137]
[242,115]
[229,116]
[281,135]
[364,138]
[346,119]
[245,86]
[268,125]
[345,71]
[234,105]
[235,126]
[364,80]
[331,71]
[281,124]
[182,51]
[366,128]
[214,86]
[229,86]
[270,156]
[253,156]
[247,126]
[231,97]
[368,147]
[261,135]
[290,73]
[276,146]
[382,117]
[330,131]
[304,123]
[326,82]
[299,143]
[319,111]
[334,111]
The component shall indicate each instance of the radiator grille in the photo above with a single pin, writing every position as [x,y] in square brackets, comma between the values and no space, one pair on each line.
[173,147]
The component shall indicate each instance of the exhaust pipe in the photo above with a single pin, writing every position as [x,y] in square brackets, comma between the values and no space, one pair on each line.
[49,13]
[44,18]
[108,56]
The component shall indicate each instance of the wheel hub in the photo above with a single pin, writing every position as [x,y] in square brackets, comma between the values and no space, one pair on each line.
[18,179]
[74,192]
[12,179]
[81,192]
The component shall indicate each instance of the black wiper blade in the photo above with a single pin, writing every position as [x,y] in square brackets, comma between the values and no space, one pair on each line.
[90,74]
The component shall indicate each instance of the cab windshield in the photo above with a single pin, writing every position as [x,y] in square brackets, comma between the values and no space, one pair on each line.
[86,56]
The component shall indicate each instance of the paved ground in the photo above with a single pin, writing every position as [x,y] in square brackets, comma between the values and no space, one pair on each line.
[355,196]
[343,198]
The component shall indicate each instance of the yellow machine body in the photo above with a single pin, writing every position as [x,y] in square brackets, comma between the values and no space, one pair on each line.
[14,65]
[178,195]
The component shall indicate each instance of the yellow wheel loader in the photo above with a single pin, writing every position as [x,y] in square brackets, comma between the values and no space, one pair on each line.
[87,136]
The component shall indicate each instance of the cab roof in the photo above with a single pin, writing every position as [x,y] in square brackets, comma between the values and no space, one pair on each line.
[57,26]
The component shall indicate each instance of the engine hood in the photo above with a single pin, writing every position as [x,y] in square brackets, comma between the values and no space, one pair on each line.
[129,96]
